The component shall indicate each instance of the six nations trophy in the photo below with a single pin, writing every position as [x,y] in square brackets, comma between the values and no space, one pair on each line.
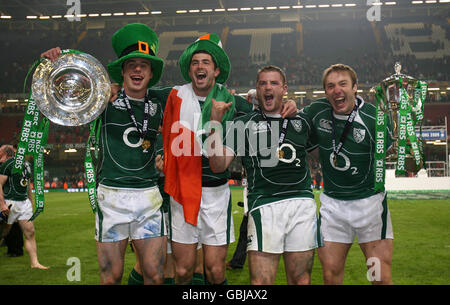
[71,91]
[400,102]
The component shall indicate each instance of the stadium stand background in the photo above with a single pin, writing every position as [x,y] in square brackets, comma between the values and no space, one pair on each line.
[302,41]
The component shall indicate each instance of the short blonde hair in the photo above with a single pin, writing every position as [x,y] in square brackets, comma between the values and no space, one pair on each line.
[339,68]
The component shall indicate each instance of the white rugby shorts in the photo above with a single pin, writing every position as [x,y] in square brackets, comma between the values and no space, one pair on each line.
[128,214]
[20,210]
[288,225]
[341,220]
[214,223]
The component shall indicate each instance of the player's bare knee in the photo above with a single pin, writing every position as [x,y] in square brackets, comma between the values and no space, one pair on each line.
[184,274]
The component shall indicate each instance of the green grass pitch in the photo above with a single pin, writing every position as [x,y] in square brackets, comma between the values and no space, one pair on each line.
[66,229]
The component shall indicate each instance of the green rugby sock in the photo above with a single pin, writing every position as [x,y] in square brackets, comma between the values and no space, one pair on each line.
[169,281]
[198,279]
[135,278]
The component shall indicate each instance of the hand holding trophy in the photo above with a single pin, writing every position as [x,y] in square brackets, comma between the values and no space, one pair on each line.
[400,102]
[72,90]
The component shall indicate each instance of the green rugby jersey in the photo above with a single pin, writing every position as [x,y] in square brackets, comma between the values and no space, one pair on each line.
[271,178]
[353,176]
[16,186]
[124,163]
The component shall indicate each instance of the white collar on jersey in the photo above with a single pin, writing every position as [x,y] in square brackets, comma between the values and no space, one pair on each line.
[200,98]
[136,99]
[273,115]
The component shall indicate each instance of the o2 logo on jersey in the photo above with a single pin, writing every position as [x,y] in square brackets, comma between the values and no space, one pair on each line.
[281,153]
[127,141]
[346,166]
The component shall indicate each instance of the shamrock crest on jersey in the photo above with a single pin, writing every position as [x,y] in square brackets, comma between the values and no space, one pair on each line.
[152,108]
[297,124]
[359,134]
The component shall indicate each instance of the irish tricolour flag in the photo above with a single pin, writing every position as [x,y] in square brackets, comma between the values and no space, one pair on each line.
[183,127]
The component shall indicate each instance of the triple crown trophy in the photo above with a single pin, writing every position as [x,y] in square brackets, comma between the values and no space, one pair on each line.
[400,102]
[71,91]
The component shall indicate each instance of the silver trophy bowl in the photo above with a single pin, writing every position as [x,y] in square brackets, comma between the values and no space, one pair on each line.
[71,91]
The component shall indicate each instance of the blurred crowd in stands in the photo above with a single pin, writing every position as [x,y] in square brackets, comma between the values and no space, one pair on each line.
[302,59]
[322,45]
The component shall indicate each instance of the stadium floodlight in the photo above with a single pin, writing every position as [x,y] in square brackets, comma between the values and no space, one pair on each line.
[258,8]
[318,92]
[70,150]
[5,17]
[299,92]
[430,1]
[324,5]
[156,12]
[106,14]
[246,8]
[284,7]
[143,13]
[297,6]
[417,2]
[181,12]
[118,14]
[391,3]
[233,9]
[310,6]
[32,17]
[131,13]
[93,15]
[433,89]
[350,4]
[219,10]
[271,8]
[81,15]
[44,17]
[12,101]
[194,11]
[207,10]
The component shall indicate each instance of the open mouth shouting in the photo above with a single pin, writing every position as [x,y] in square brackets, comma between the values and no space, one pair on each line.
[339,101]
[200,76]
[268,100]
[137,79]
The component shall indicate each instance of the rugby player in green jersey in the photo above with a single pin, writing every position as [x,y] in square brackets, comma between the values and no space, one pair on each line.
[282,210]
[16,201]
[129,201]
[344,129]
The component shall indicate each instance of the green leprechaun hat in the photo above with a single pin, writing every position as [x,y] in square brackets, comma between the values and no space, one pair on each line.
[131,41]
[210,43]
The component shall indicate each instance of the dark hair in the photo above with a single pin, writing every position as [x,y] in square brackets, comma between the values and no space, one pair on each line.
[204,52]
[272,68]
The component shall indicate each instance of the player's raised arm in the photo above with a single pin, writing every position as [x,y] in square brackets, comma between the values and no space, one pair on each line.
[219,156]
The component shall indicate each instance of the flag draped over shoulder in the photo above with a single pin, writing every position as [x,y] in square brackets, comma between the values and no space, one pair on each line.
[182,142]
